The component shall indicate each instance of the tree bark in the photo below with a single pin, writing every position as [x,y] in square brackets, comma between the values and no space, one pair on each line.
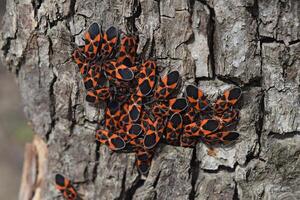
[254,44]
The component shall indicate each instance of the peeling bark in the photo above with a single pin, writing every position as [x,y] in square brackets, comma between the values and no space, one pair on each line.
[216,44]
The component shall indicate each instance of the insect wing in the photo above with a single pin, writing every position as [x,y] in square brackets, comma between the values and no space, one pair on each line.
[65,187]
[177,105]
[146,78]
[135,107]
[196,98]
[224,137]
[109,41]
[92,40]
[153,134]
[167,85]
[208,126]
[143,160]
[112,140]
[174,128]
[133,130]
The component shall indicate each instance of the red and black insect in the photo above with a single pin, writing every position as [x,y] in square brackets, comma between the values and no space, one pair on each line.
[133,130]
[121,72]
[127,52]
[174,129]
[109,42]
[159,109]
[224,137]
[135,144]
[143,108]
[81,61]
[146,78]
[177,105]
[186,141]
[192,130]
[227,117]
[135,107]
[201,128]
[112,115]
[95,78]
[208,126]
[111,139]
[121,90]
[92,40]
[227,100]
[120,97]
[145,120]
[153,133]
[167,85]
[196,98]
[65,187]
[123,134]
[143,160]
[124,115]
[95,96]
[189,115]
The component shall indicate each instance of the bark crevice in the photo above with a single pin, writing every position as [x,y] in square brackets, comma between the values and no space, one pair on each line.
[283,136]
[130,192]
[194,174]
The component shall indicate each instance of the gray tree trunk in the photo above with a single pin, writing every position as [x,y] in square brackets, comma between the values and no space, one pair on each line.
[216,43]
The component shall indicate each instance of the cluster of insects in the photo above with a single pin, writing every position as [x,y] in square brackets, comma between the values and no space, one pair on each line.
[143,107]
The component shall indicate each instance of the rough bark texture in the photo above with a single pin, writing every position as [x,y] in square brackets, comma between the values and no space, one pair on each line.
[216,43]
